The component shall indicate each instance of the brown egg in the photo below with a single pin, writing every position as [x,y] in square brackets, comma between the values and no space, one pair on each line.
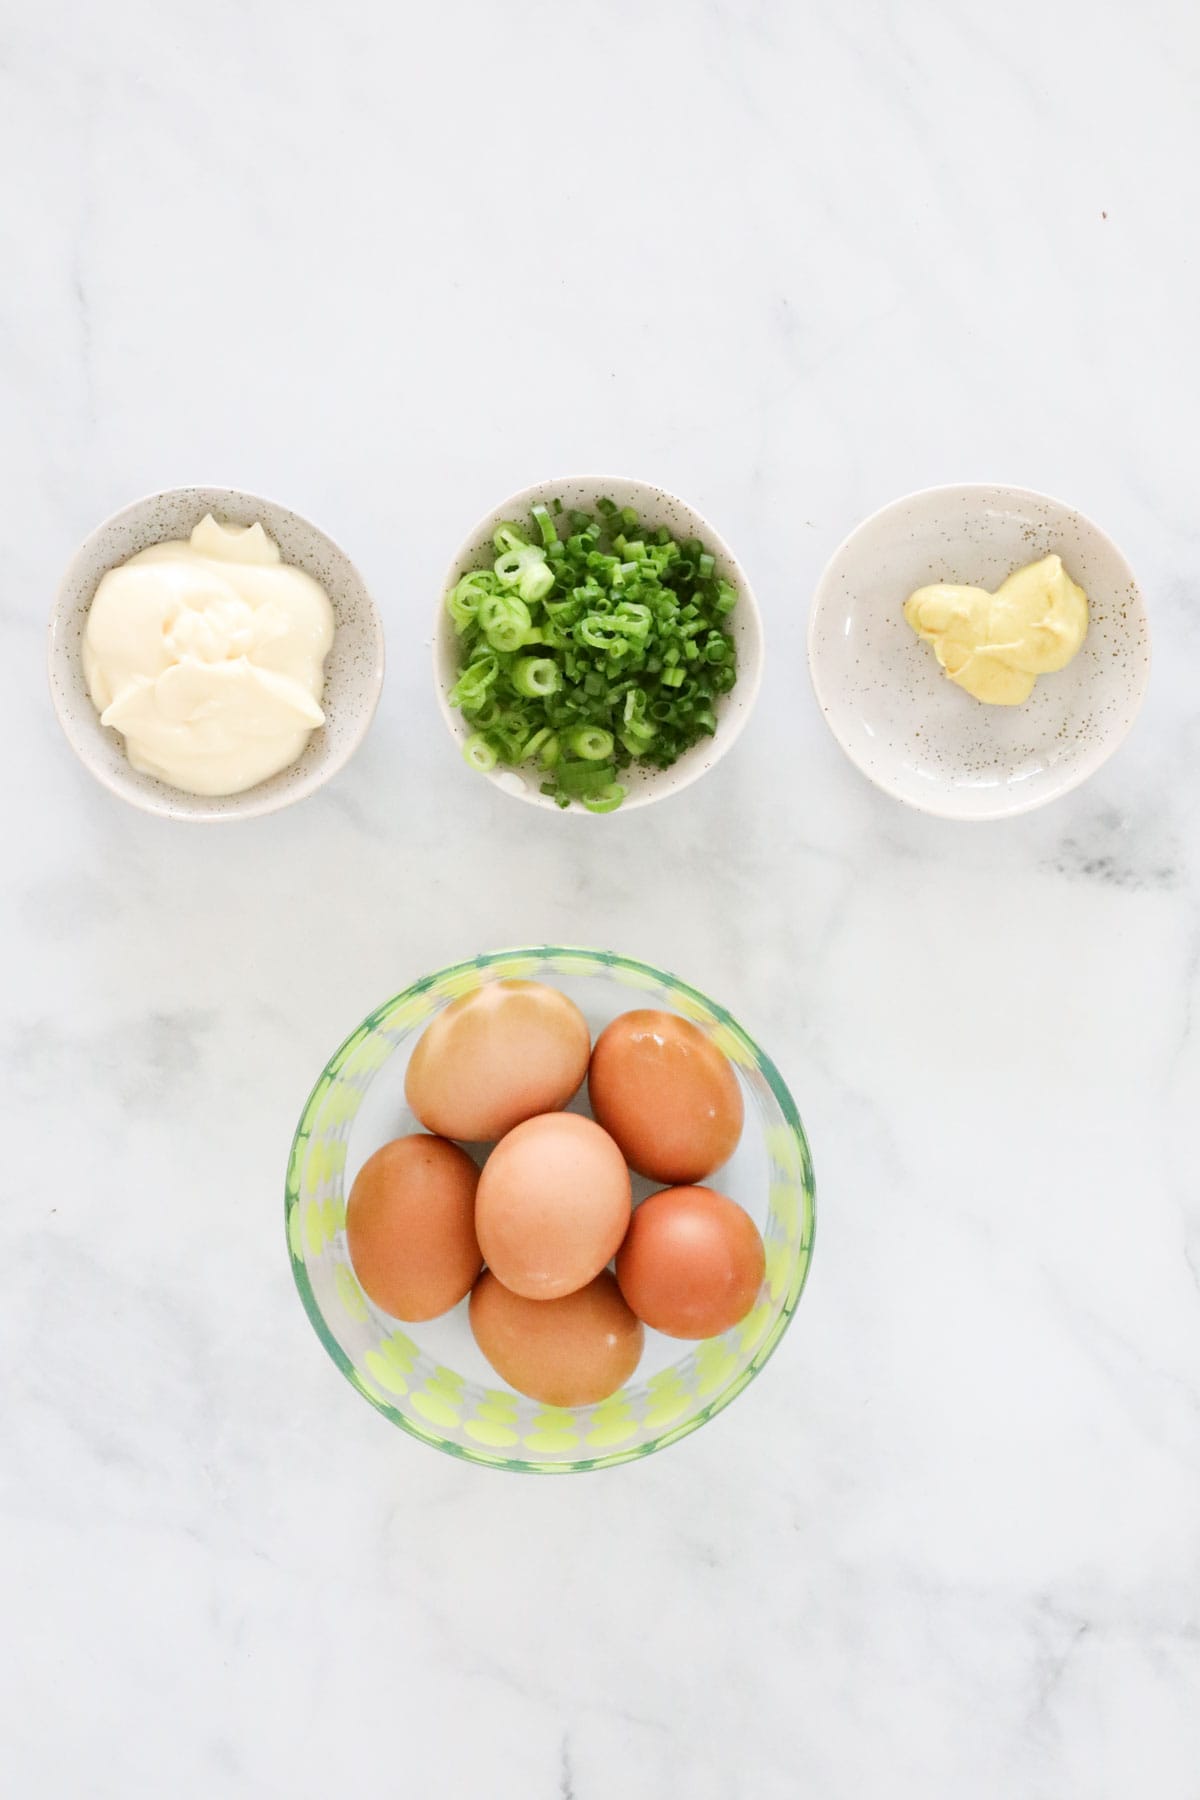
[567,1352]
[507,1052]
[692,1262]
[552,1206]
[410,1226]
[666,1094]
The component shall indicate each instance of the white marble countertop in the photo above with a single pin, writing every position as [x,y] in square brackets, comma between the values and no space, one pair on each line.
[388,264]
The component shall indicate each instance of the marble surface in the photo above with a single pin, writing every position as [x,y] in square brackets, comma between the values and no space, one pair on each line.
[790,260]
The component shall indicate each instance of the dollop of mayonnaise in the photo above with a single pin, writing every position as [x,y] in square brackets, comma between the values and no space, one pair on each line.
[996,645]
[208,655]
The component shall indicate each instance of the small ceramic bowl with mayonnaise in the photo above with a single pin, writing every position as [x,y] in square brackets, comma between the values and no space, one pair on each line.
[978,651]
[213,655]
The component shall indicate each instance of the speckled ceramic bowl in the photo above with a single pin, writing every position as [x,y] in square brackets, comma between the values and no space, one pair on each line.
[353,670]
[655,507]
[431,1379]
[914,733]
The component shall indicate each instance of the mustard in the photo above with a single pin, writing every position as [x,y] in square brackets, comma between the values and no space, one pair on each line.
[996,645]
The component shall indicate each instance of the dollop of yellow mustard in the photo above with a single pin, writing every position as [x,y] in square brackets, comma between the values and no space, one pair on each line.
[996,645]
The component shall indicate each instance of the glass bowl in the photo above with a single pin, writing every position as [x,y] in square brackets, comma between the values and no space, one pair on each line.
[431,1379]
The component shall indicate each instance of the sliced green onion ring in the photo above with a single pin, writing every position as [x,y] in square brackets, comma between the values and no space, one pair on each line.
[479,753]
[607,799]
[591,743]
[545,525]
[536,676]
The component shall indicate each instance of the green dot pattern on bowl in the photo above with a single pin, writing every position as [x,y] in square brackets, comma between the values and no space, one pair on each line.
[494,1426]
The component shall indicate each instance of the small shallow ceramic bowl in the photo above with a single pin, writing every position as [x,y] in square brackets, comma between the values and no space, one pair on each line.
[913,732]
[353,669]
[431,1379]
[655,507]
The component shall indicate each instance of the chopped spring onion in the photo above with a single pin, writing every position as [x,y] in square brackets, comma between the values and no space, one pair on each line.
[538,745]
[470,690]
[535,676]
[504,620]
[545,525]
[479,753]
[591,743]
[463,603]
[590,643]
[607,799]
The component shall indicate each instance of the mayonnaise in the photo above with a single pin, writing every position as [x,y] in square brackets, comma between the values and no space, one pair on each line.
[996,645]
[208,656]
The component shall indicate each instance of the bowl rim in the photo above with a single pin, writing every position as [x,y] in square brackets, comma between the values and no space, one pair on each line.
[798,1276]
[1019,805]
[167,807]
[748,684]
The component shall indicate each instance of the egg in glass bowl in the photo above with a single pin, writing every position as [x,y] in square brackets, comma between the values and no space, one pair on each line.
[431,1379]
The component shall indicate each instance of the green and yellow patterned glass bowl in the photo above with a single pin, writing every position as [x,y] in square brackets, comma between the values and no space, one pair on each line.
[431,1379]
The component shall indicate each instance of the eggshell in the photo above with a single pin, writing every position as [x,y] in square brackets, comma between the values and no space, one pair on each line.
[505,1053]
[666,1094]
[692,1262]
[553,1205]
[410,1226]
[566,1352]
